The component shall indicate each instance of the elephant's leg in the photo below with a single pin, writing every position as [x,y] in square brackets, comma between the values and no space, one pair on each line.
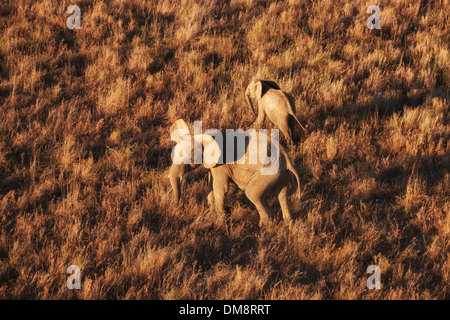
[264,213]
[211,199]
[283,199]
[286,129]
[291,124]
[210,191]
[263,210]
[220,187]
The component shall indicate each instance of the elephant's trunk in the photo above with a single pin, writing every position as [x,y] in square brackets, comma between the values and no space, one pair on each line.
[175,183]
[174,177]
[249,101]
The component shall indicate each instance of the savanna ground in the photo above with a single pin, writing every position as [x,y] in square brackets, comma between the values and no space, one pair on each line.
[85,148]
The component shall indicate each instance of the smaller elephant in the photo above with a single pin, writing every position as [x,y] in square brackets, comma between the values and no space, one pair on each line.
[247,175]
[278,105]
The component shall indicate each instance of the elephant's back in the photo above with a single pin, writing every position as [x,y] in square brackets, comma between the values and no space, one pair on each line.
[277,101]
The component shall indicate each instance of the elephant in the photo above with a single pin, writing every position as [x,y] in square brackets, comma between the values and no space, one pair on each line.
[247,176]
[278,105]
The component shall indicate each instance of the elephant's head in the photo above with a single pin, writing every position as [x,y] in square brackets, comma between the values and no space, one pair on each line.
[256,90]
[191,151]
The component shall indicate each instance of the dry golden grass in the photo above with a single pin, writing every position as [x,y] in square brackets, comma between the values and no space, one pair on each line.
[84,149]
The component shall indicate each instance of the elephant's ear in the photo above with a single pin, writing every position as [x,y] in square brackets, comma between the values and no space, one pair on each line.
[178,130]
[248,95]
[259,89]
[272,84]
[262,86]
[211,150]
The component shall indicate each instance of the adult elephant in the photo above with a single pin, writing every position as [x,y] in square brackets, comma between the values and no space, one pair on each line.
[278,105]
[256,178]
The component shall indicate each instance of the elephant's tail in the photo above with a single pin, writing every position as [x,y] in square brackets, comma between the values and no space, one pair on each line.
[291,168]
[304,130]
